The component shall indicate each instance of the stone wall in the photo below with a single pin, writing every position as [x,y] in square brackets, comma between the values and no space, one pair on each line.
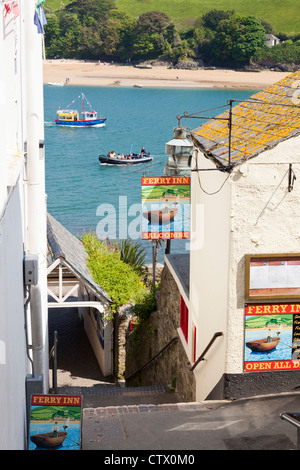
[148,338]
[121,328]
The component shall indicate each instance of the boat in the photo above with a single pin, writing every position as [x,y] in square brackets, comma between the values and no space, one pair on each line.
[70,117]
[56,83]
[129,159]
[161,216]
[262,345]
[47,440]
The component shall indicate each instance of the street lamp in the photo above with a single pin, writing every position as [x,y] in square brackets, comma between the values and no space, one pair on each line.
[180,151]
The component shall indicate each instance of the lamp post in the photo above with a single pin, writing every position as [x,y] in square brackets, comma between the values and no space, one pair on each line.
[180,151]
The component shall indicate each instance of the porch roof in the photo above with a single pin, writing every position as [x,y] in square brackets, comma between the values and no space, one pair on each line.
[65,246]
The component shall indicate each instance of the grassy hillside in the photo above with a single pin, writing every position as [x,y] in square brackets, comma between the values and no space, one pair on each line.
[283,15]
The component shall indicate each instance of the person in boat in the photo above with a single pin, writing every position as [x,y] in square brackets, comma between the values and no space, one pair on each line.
[166,206]
[143,151]
[269,335]
[55,429]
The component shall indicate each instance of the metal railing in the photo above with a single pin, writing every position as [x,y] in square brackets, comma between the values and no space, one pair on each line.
[293,418]
[152,358]
[202,356]
[53,355]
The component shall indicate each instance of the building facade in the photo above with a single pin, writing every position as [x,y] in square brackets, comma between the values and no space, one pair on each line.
[23,282]
[245,221]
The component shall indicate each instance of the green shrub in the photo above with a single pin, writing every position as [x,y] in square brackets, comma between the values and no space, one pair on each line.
[145,305]
[121,282]
[132,254]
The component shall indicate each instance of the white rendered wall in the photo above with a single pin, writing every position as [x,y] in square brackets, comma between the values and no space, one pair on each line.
[15,227]
[265,219]
[13,359]
[253,213]
[36,221]
[209,258]
[104,355]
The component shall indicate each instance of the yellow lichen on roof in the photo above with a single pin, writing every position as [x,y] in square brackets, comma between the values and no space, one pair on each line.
[259,123]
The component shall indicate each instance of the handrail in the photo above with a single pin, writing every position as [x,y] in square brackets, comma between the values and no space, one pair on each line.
[152,358]
[293,418]
[53,354]
[201,357]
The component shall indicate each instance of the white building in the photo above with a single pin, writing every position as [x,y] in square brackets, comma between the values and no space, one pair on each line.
[23,358]
[271,40]
[245,205]
[71,284]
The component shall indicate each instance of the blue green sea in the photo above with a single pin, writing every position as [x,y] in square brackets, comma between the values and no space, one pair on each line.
[81,194]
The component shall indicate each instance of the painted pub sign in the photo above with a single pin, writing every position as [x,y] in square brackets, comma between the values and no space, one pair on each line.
[272,337]
[165,207]
[55,422]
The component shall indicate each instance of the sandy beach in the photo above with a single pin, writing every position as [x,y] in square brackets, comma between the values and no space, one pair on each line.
[104,74]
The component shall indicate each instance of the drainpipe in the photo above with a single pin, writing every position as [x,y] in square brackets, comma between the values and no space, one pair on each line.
[35,222]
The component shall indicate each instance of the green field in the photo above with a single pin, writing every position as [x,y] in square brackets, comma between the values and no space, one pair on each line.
[161,191]
[48,413]
[283,15]
[261,321]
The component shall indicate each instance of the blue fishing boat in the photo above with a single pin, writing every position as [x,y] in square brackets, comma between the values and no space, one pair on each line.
[70,117]
[130,159]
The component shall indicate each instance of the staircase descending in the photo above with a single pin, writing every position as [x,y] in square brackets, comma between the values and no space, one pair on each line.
[111,395]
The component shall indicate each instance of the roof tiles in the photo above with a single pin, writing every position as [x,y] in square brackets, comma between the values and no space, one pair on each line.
[259,123]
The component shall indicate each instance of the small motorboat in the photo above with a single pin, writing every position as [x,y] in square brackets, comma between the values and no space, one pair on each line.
[70,117]
[161,216]
[263,345]
[47,440]
[130,159]
[56,83]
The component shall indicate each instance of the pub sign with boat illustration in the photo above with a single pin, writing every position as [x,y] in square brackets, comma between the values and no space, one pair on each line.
[55,422]
[165,207]
[272,337]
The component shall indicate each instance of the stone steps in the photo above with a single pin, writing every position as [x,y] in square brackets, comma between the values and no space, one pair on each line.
[104,395]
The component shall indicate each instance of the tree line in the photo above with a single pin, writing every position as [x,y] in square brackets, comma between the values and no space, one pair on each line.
[97,30]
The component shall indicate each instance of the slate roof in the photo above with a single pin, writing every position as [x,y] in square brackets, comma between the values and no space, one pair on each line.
[259,123]
[62,244]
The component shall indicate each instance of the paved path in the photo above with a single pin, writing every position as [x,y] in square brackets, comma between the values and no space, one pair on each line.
[150,419]
[120,421]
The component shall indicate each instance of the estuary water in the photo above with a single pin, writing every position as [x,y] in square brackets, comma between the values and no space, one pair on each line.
[83,195]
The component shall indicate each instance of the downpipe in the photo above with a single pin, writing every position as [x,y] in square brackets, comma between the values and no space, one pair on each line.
[35,223]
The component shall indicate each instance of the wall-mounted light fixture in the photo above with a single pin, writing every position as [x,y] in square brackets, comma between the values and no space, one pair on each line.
[180,151]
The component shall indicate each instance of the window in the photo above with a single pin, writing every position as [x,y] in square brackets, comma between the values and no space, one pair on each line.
[184,319]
